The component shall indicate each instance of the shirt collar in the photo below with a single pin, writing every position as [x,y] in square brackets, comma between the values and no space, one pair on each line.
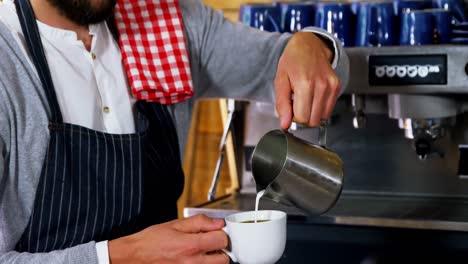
[62,34]
[8,15]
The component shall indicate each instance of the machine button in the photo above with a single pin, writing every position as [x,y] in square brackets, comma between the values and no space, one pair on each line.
[380,71]
[423,71]
[391,71]
[412,71]
[401,71]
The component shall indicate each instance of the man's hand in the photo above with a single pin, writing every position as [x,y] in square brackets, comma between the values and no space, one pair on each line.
[192,240]
[304,70]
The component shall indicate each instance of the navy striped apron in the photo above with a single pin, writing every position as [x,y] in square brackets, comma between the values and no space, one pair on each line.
[97,186]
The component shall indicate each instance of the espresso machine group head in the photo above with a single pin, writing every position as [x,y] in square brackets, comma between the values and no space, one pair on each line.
[425,88]
[401,130]
[425,119]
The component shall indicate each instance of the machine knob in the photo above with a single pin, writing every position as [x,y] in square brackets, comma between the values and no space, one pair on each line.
[422,147]
[359,120]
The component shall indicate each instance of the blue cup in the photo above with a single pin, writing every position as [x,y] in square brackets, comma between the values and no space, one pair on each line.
[461,26]
[442,25]
[459,41]
[355,7]
[376,24]
[296,15]
[459,34]
[338,19]
[401,6]
[456,7]
[417,28]
[265,17]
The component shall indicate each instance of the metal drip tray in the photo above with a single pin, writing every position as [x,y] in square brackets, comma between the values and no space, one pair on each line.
[360,210]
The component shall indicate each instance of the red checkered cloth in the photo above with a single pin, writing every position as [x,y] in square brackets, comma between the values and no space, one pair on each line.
[154,49]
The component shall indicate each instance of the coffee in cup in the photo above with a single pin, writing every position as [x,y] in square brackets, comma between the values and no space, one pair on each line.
[254,221]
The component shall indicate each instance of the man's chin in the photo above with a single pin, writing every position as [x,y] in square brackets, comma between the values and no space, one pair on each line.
[85,12]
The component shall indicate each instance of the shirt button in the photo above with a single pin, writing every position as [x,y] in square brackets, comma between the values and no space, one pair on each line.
[106,109]
[93,55]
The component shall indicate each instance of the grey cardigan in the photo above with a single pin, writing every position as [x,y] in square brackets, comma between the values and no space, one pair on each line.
[227,60]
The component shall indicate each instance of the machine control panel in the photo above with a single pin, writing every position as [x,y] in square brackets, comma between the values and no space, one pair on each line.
[385,70]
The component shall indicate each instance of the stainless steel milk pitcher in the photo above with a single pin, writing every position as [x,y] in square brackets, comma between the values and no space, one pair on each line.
[298,173]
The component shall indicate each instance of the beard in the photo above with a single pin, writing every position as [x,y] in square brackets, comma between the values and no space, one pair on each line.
[85,12]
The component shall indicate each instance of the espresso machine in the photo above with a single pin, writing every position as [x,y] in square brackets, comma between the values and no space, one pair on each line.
[401,129]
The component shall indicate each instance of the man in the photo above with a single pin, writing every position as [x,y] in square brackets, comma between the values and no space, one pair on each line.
[88,175]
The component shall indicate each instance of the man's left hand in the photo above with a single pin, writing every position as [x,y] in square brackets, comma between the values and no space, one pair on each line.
[304,70]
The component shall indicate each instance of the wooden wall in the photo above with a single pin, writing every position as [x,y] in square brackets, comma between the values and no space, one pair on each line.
[202,154]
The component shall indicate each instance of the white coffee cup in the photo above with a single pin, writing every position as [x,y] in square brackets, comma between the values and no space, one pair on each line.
[259,243]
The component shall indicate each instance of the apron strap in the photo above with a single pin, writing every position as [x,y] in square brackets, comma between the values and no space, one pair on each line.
[33,40]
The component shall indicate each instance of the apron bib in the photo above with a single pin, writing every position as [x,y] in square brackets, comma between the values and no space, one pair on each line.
[97,186]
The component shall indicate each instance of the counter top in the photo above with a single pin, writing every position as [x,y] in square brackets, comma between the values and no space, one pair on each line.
[358,209]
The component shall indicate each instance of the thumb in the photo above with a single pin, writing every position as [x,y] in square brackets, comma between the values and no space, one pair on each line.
[283,100]
[198,223]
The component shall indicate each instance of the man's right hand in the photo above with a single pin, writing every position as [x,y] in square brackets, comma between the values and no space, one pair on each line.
[197,239]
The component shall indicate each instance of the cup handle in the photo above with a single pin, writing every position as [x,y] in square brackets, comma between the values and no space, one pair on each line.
[229,253]
[458,11]
[273,22]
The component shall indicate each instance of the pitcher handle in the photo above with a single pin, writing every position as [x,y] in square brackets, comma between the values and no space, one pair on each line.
[322,140]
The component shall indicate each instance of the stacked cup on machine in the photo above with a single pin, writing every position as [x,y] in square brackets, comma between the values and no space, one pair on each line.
[375,25]
[265,17]
[338,19]
[425,27]
[369,23]
[295,15]
[458,19]
[278,16]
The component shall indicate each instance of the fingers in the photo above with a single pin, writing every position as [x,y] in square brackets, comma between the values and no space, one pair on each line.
[305,69]
[335,87]
[197,224]
[211,241]
[283,99]
[320,95]
[315,100]
[303,99]
[217,258]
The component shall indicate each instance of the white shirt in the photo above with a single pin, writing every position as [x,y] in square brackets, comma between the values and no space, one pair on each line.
[91,86]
